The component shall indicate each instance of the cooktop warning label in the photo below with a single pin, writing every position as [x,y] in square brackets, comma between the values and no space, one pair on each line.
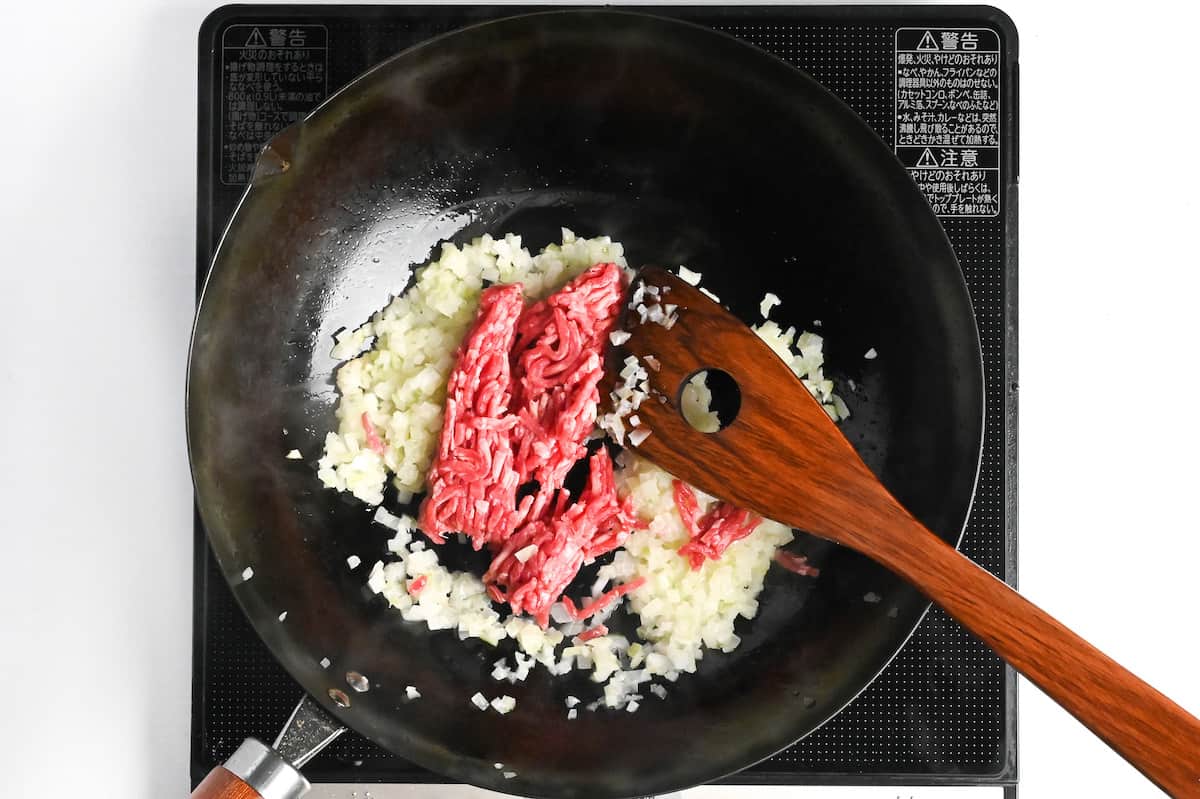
[948,117]
[271,76]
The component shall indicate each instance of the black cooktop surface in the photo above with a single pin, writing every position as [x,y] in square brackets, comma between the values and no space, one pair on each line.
[936,83]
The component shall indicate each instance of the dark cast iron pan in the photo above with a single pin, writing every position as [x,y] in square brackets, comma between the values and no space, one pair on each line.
[691,148]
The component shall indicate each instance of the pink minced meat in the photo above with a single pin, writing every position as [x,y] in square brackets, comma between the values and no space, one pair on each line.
[604,600]
[472,482]
[565,538]
[711,533]
[796,563]
[521,402]
[595,632]
[557,365]
[372,435]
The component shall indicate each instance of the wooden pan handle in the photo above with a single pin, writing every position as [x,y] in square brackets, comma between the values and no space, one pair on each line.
[222,783]
[255,771]
[1149,730]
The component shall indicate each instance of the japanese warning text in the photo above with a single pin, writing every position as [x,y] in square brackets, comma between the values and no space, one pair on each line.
[271,76]
[948,117]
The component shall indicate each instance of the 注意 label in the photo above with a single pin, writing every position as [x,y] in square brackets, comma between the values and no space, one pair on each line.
[271,76]
[947,129]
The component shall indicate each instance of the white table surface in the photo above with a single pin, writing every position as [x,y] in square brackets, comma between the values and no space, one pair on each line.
[97,141]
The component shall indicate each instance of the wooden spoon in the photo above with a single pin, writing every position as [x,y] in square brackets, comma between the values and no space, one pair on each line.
[819,484]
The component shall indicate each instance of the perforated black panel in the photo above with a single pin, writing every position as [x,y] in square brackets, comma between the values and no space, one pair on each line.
[943,710]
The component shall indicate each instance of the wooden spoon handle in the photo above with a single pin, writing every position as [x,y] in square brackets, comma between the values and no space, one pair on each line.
[781,432]
[1153,733]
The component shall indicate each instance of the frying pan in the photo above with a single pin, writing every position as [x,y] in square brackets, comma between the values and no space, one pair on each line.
[688,146]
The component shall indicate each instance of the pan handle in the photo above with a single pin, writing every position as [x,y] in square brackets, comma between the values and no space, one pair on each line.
[255,771]
[221,783]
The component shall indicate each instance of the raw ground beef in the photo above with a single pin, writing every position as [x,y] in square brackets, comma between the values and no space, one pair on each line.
[558,363]
[564,539]
[522,401]
[711,533]
[473,482]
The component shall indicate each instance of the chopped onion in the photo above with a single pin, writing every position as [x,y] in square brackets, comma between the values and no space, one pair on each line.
[247,573]
[353,561]
[376,581]
[479,701]
[619,337]
[504,704]
[283,615]
[871,354]
[293,455]
[558,613]
[524,554]
[411,692]
[769,301]
[688,276]
[382,516]
[325,662]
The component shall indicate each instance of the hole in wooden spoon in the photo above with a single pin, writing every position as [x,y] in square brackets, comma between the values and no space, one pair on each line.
[709,400]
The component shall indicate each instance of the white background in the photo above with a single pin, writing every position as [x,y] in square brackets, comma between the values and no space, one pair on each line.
[97,204]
